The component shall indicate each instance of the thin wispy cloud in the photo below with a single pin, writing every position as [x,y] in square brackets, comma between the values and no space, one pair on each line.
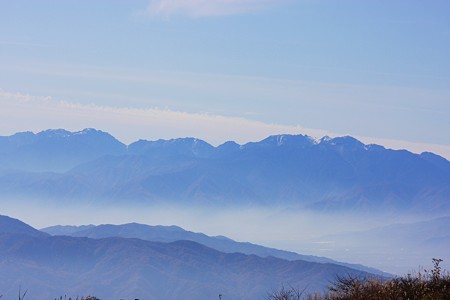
[206,8]
[24,112]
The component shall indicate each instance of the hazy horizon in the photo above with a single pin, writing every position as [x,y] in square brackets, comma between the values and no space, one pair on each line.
[229,70]
[233,70]
[297,230]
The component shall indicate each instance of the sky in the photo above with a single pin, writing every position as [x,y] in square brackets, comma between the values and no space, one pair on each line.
[229,69]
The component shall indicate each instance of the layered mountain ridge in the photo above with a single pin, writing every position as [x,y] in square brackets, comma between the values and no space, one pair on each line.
[173,233]
[131,268]
[330,174]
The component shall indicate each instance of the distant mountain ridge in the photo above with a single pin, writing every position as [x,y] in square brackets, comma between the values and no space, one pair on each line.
[169,234]
[330,174]
[130,268]
[55,149]
[14,226]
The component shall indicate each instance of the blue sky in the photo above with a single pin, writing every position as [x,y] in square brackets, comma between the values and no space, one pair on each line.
[229,69]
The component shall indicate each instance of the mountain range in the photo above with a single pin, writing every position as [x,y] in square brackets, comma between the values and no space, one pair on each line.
[330,174]
[168,234]
[130,268]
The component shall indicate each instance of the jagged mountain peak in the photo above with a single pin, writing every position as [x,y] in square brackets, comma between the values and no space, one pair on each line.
[282,140]
[31,137]
[56,149]
[16,140]
[230,146]
[54,133]
[22,134]
[89,130]
[190,142]
[62,133]
[290,140]
[178,146]
[343,141]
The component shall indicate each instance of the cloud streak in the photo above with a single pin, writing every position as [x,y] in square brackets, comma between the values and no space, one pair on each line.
[24,112]
[206,8]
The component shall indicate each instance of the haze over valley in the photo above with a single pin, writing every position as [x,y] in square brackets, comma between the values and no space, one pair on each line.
[204,149]
[293,192]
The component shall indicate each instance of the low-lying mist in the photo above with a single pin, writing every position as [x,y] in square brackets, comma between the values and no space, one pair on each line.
[347,237]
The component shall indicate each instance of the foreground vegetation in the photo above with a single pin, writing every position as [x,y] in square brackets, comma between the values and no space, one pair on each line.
[427,285]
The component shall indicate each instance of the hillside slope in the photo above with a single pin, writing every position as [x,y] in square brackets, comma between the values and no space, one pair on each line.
[115,268]
[175,233]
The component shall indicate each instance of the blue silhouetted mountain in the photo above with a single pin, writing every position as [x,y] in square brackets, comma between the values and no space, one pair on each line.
[13,226]
[174,233]
[291,170]
[127,268]
[183,148]
[66,229]
[437,160]
[55,150]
